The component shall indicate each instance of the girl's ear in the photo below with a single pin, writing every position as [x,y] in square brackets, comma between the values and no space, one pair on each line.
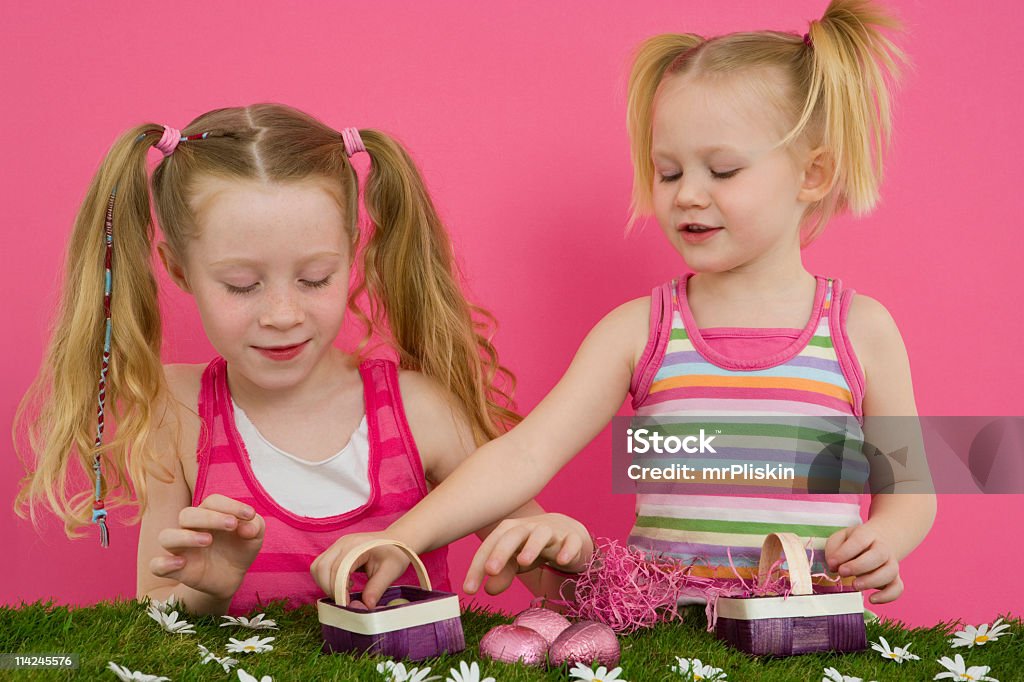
[818,176]
[173,266]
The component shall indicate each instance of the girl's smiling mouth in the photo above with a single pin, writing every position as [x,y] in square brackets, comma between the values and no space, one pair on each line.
[282,353]
[695,233]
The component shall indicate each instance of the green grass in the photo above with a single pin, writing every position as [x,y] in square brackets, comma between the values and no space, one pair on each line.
[122,632]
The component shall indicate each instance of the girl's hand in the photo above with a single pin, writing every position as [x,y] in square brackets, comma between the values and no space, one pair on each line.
[213,546]
[382,565]
[860,551]
[521,544]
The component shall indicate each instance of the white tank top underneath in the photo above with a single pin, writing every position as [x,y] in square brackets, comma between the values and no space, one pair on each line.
[330,487]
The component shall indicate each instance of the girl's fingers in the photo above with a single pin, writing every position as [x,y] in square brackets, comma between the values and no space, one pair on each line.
[506,547]
[199,518]
[226,505]
[571,549]
[485,556]
[889,593]
[251,529]
[496,584]
[316,569]
[166,566]
[856,543]
[536,543]
[176,540]
[326,565]
[832,545]
[386,572]
[879,578]
[321,572]
[475,572]
[866,562]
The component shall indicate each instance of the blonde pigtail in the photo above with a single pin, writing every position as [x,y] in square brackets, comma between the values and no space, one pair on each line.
[854,67]
[412,282]
[58,415]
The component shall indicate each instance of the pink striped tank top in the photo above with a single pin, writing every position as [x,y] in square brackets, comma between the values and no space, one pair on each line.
[782,375]
[292,542]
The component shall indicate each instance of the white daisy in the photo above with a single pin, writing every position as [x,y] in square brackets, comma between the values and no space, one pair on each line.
[972,636]
[170,623]
[126,675]
[171,604]
[467,673]
[224,662]
[246,677]
[253,645]
[255,623]
[693,669]
[898,654]
[396,672]
[958,670]
[833,675]
[582,672]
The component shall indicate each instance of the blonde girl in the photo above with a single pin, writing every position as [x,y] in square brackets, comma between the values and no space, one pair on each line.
[247,468]
[743,147]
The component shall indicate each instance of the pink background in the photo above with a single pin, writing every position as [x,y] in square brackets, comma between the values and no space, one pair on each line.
[515,112]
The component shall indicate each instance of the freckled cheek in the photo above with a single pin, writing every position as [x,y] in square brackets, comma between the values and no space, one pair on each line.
[331,309]
[330,303]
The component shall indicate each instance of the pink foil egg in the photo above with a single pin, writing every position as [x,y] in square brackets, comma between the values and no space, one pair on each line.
[357,605]
[514,643]
[587,642]
[545,621]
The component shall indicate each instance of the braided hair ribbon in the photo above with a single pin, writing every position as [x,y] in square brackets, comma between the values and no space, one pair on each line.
[99,512]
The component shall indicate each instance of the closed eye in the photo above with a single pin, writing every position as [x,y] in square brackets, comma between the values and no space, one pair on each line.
[724,175]
[670,177]
[318,284]
[242,290]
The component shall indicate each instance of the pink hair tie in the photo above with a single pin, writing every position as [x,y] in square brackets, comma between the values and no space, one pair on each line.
[168,141]
[353,141]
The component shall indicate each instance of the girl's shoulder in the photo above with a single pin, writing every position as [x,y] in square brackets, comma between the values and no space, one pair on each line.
[179,424]
[871,329]
[630,326]
[631,320]
[183,383]
[879,347]
[439,426]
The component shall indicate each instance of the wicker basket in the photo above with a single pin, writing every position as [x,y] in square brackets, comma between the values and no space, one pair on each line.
[801,623]
[429,625]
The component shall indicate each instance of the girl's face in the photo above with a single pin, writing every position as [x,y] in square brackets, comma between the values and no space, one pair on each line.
[726,196]
[269,271]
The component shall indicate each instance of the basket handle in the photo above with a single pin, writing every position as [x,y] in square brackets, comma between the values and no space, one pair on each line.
[345,568]
[788,544]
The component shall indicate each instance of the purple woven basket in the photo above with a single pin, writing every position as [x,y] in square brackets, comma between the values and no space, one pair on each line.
[429,625]
[800,623]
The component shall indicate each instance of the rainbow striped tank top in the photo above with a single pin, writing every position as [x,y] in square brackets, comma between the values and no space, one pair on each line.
[808,378]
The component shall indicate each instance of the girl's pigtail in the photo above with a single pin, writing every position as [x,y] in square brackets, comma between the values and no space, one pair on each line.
[854,68]
[653,58]
[410,277]
[59,414]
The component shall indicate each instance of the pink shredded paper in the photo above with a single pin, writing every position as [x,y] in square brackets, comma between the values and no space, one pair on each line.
[628,590]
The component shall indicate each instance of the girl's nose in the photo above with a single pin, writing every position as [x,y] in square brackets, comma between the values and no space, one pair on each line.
[282,310]
[691,193]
